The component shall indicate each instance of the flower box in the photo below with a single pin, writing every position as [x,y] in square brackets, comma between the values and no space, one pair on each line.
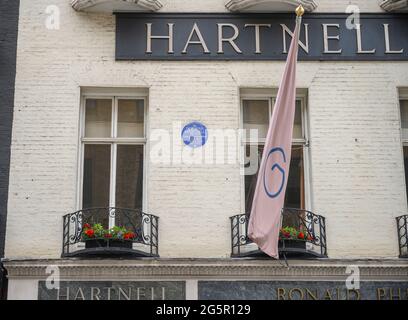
[107,243]
[293,244]
[97,236]
[290,237]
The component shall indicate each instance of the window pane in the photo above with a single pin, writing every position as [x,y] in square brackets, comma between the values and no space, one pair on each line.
[250,180]
[256,116]
[297,126]
[129,177]
[406,167]
[294,197]
[404,119]
[98,118]
[131,118]
[96,176]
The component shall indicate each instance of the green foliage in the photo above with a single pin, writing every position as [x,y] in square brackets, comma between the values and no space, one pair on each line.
[97,231]
[291,233]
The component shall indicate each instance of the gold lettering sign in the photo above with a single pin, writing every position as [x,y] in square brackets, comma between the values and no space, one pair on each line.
[259,37]
[107,290]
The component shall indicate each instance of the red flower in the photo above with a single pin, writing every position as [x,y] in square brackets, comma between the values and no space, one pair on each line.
[128,236]
[90,233]
[310,238]
[108,235]
[301,235]
[87,226]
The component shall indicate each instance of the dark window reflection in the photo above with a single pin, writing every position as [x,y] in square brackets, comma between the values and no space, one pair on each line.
[129,176]
[96,176]
[96,184]
[406,167]
[294,197]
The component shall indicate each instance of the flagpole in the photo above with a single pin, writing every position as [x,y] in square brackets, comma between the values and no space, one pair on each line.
[266,212]
[299,13]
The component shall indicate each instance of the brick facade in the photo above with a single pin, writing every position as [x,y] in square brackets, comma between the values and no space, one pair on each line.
[8,44]
[356,163]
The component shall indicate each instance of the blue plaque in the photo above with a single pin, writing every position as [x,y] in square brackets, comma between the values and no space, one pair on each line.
[194,134]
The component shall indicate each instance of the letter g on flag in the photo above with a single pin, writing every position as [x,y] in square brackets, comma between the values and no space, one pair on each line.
[279,152]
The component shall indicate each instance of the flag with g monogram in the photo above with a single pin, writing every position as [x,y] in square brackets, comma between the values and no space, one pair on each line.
[265,218]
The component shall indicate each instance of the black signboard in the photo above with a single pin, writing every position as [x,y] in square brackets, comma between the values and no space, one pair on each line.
[301,290]
[113,290]
[141,36]
[224,290]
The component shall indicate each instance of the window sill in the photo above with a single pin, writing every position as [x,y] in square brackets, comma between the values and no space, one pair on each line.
[111,6]
[269,5]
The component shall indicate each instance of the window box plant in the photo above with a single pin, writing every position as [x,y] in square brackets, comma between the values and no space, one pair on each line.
[97,236]
[290,237]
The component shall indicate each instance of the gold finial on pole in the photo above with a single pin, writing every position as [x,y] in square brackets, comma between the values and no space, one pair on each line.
[300,10]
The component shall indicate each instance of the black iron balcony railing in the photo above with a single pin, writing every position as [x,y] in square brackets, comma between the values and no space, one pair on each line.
[141,239]
[402,227]
[311,228]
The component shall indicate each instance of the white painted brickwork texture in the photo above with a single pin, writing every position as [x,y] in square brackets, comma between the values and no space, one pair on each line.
[219,5]
[357,174]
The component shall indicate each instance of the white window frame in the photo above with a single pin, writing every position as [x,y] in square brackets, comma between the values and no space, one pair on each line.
[403,96]
[300,96]
[113,141]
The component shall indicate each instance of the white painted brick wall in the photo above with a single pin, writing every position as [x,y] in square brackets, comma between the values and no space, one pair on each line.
[340,5]
[219,5]
[356,159]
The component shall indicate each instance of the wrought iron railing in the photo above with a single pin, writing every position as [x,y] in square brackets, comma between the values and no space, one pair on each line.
[313,244]
[402,227]
[144,226]
[3,282]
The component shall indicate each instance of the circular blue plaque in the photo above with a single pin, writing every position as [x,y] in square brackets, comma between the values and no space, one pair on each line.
[194,134]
